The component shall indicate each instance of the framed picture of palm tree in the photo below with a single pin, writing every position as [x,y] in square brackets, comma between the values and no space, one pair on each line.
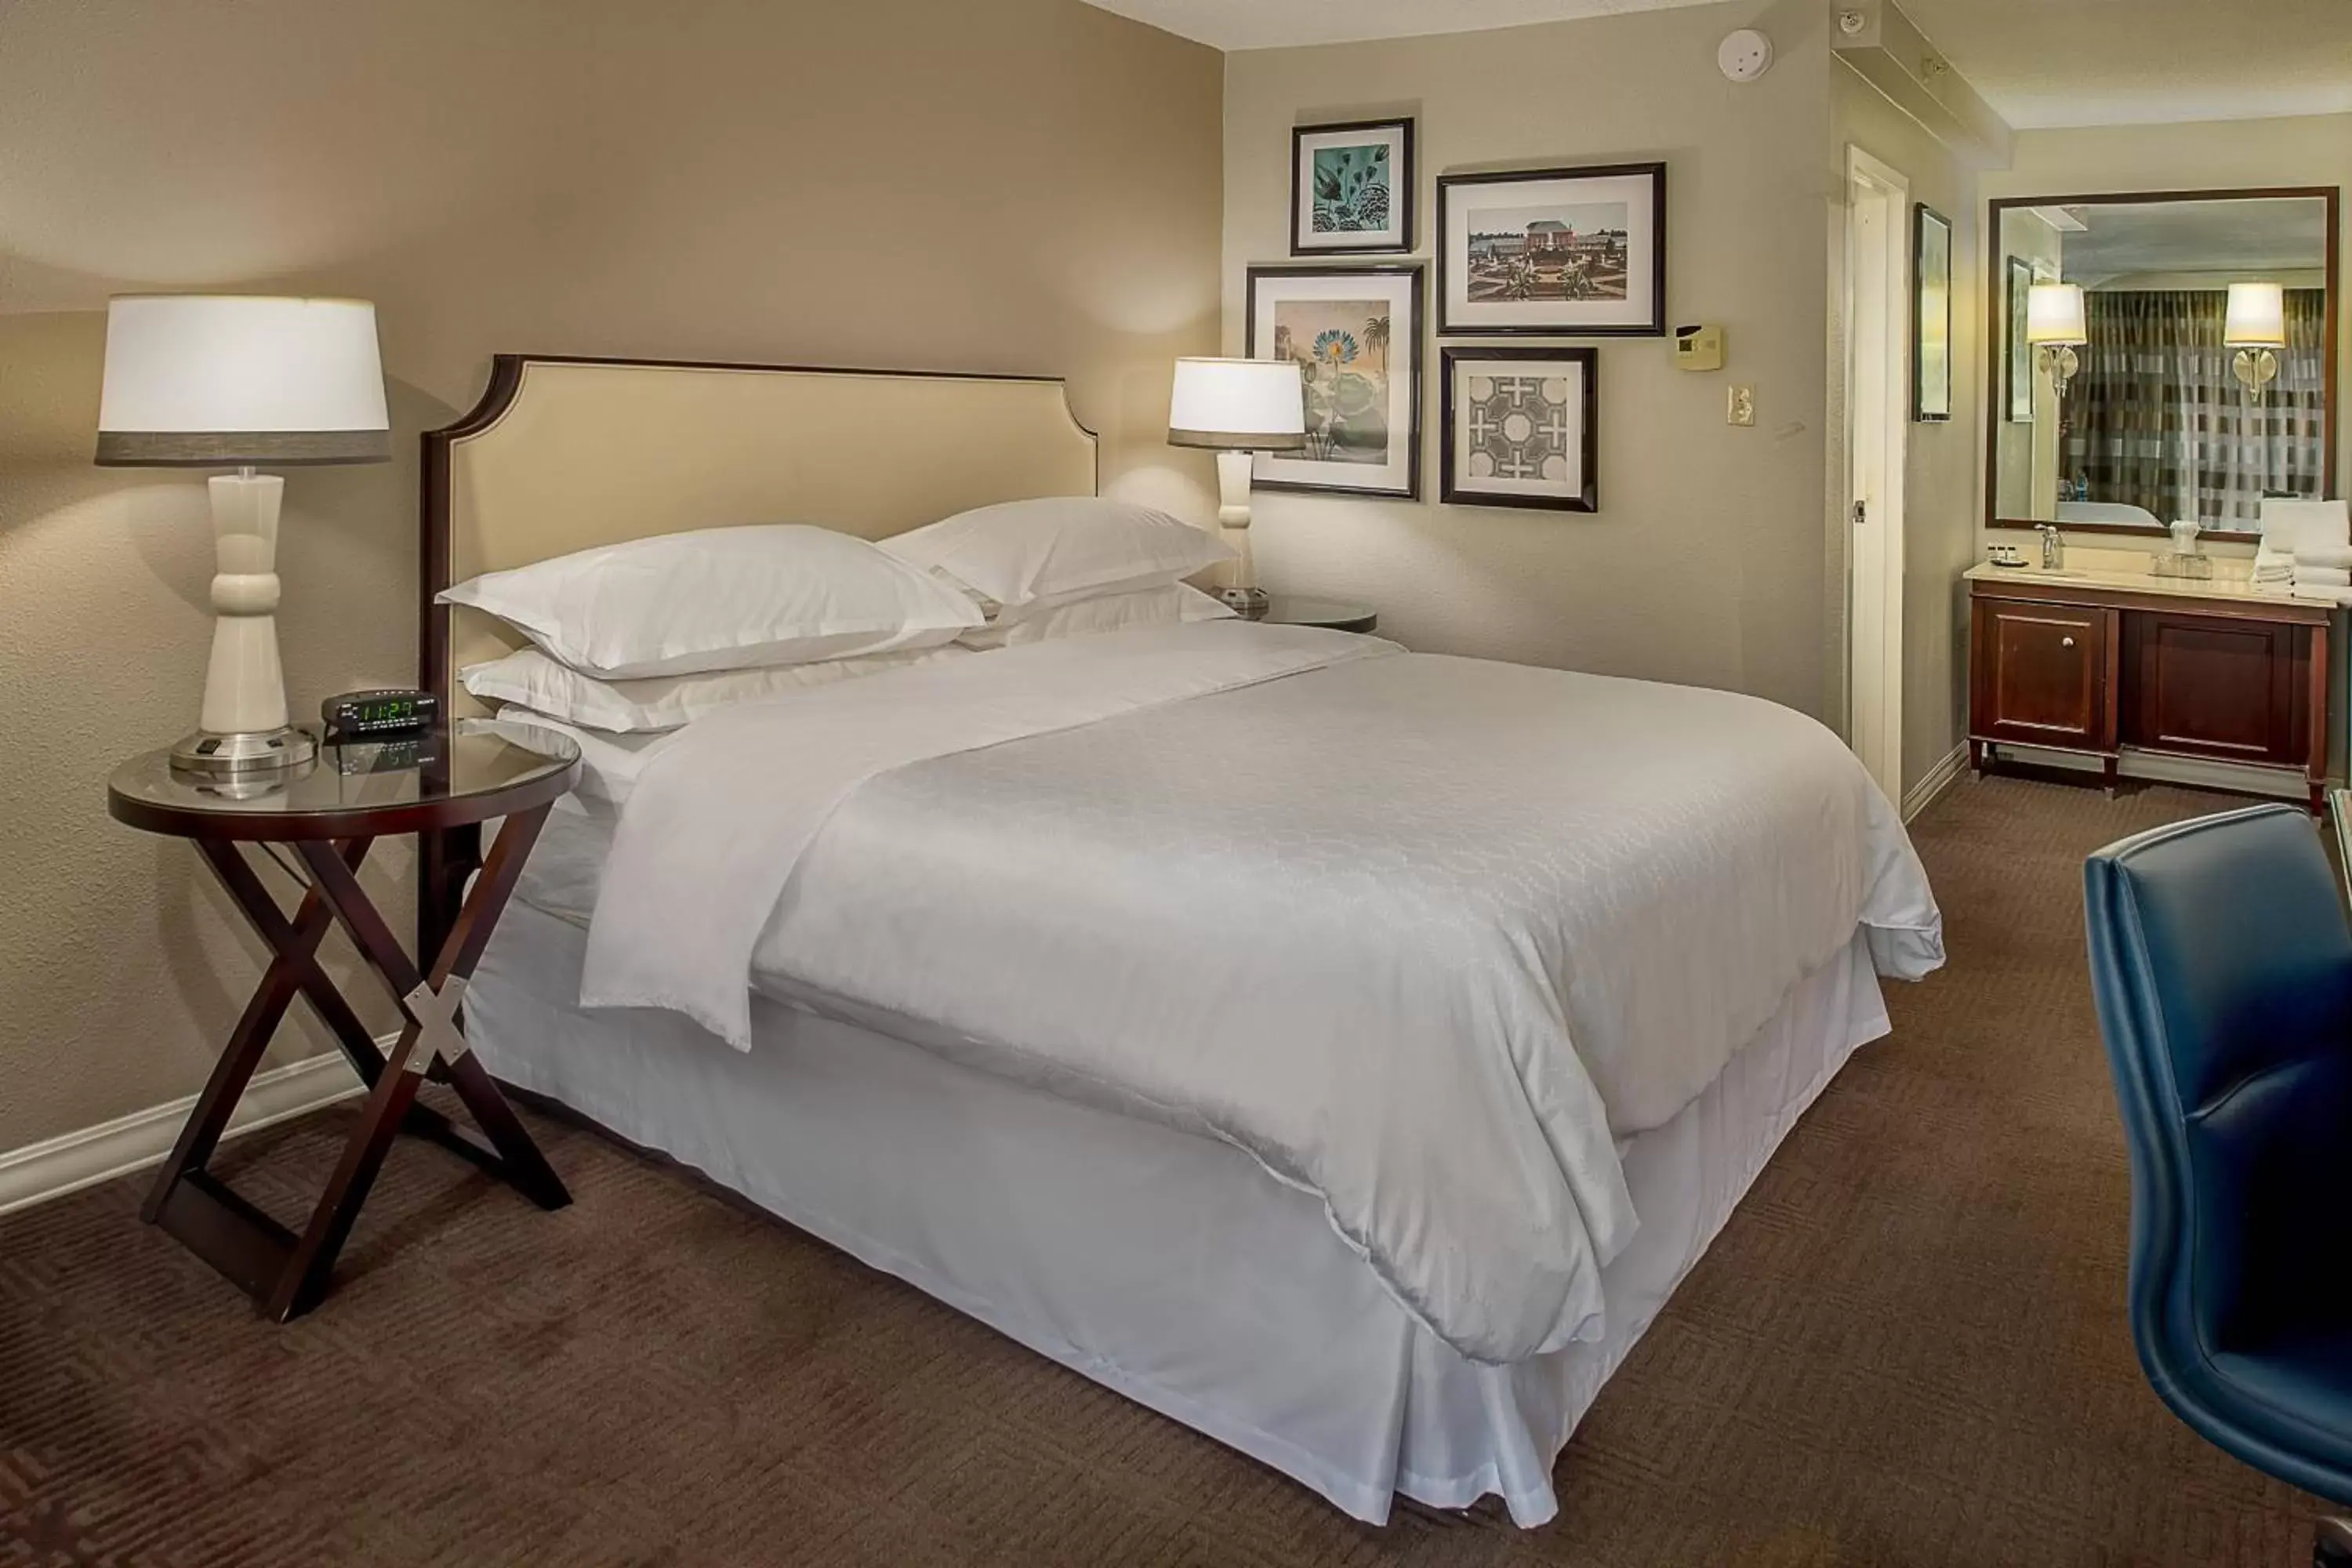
[1356,335]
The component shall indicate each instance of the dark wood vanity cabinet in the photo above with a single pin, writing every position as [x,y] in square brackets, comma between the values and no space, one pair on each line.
[2041,674]
[2085,668]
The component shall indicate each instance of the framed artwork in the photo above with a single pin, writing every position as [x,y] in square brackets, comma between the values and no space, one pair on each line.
[1931,314]
[1356,335]
[1521,428]
[1553,252]
[2017,352]
[1352,188]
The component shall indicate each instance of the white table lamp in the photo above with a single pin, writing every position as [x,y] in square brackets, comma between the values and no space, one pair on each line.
[2256,327]
[205,380]
[2055,326]
[1236,408]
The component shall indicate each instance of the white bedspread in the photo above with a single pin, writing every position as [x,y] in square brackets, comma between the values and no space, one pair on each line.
[1419,935]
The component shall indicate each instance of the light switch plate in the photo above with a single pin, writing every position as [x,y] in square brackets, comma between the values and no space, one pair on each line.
[1739,406]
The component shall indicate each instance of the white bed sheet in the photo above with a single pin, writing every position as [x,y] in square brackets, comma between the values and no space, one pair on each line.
[1420,934]
[1160,1263]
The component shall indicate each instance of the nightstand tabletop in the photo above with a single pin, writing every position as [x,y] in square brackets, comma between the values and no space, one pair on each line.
[485,768]
[1339,614]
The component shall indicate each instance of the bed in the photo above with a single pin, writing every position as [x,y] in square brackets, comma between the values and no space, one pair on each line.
[1192,1005]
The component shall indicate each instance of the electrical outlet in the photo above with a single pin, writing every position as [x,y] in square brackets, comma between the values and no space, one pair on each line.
[1739,407]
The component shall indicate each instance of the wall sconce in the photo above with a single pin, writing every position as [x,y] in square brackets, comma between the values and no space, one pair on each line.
[2257,328]
[2055,326]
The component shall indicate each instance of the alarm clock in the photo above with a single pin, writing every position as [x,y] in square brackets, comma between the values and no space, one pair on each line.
[367,715]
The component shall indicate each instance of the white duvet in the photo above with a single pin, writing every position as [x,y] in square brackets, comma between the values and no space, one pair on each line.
[1423,935]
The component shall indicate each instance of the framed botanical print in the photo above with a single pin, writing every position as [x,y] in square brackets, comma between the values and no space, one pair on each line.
[1521,428]
[1931,314]
[2017,353]
[1352,188]
[1553,252]
[1355,334]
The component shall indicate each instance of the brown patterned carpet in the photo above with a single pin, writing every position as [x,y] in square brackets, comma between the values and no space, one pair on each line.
[1908,1349]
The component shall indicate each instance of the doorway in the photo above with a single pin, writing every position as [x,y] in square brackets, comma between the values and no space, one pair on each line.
[1878,426]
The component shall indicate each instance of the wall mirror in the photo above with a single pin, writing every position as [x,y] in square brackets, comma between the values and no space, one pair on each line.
[2158,357]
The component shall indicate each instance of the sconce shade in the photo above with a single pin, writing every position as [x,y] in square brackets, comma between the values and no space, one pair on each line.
[2053,315]
[216,380]
[2257,318]
[1237,405]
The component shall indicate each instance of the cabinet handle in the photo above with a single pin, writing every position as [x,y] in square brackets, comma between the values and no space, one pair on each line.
[2066,642]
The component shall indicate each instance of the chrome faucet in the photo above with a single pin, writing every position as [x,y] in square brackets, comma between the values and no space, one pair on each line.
[2054,548]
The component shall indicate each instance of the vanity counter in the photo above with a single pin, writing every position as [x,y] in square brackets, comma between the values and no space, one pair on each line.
[2097,660]
[2236,587]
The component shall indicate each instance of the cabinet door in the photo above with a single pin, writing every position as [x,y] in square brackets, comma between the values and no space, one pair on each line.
[2041,675]
[2209,686]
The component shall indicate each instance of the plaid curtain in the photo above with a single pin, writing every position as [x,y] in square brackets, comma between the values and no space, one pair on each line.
[2156,418]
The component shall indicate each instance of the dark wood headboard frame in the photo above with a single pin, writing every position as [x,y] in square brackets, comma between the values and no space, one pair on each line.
[446,859]
[1996,330]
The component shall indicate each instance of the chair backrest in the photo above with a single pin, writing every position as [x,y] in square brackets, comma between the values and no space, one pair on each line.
[2222,964]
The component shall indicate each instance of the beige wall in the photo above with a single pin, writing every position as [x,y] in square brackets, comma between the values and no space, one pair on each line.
[1025,185]
[1940,484]
[2308,149]
[1708,561]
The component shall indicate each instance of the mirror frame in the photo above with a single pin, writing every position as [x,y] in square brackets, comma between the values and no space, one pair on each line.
[1996,327]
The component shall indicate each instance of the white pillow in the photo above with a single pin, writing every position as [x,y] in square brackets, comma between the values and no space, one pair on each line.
[530,678]
[721,598]
[1042,620]
[1060,547]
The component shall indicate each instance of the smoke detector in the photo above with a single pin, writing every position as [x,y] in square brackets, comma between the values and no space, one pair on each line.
[1745,54]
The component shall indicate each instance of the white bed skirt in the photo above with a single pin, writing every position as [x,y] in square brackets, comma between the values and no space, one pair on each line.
[1162,1264]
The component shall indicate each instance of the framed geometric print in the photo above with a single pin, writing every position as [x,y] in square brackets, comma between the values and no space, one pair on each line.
[1352,188]
[1521,428]
[1355,334]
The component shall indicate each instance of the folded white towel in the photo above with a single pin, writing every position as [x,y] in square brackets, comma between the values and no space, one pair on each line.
[2338,555]
[2274,565]
[2294,525]
[2321,576]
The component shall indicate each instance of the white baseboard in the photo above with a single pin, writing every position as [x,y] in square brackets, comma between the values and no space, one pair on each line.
[68,1164]
[1921,795]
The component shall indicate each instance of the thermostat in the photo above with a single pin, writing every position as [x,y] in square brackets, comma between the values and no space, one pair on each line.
[1698,348]
[1745,54]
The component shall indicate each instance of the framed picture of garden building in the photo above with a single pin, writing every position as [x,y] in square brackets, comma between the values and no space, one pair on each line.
[1553,252]
[1352,188]
[1355,333]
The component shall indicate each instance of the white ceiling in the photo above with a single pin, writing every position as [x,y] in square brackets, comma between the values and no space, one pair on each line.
[2126,62]
[2039,62]
[1280,24]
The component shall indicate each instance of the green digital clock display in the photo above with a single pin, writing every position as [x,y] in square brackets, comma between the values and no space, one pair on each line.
[384,713]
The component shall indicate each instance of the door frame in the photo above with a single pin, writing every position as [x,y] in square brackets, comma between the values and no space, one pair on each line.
[1877,338]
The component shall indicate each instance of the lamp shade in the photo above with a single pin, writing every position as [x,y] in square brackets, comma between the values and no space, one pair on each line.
[2053,315]
[1238,404]
[210,380]
[2257,318]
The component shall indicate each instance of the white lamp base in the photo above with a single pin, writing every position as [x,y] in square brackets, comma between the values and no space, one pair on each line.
[243,726]
[1240,593]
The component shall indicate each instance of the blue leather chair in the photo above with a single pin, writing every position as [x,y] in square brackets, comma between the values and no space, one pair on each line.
[2223,966]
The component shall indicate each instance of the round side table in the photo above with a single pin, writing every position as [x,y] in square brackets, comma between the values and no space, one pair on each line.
[438,784]
[1339,614]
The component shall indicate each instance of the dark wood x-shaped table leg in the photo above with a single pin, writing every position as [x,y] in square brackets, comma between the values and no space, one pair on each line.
[287,1274]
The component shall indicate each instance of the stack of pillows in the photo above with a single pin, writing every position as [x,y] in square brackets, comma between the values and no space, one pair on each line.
[648,635]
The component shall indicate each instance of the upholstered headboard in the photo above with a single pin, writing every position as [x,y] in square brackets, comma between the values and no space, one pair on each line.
[561,454]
